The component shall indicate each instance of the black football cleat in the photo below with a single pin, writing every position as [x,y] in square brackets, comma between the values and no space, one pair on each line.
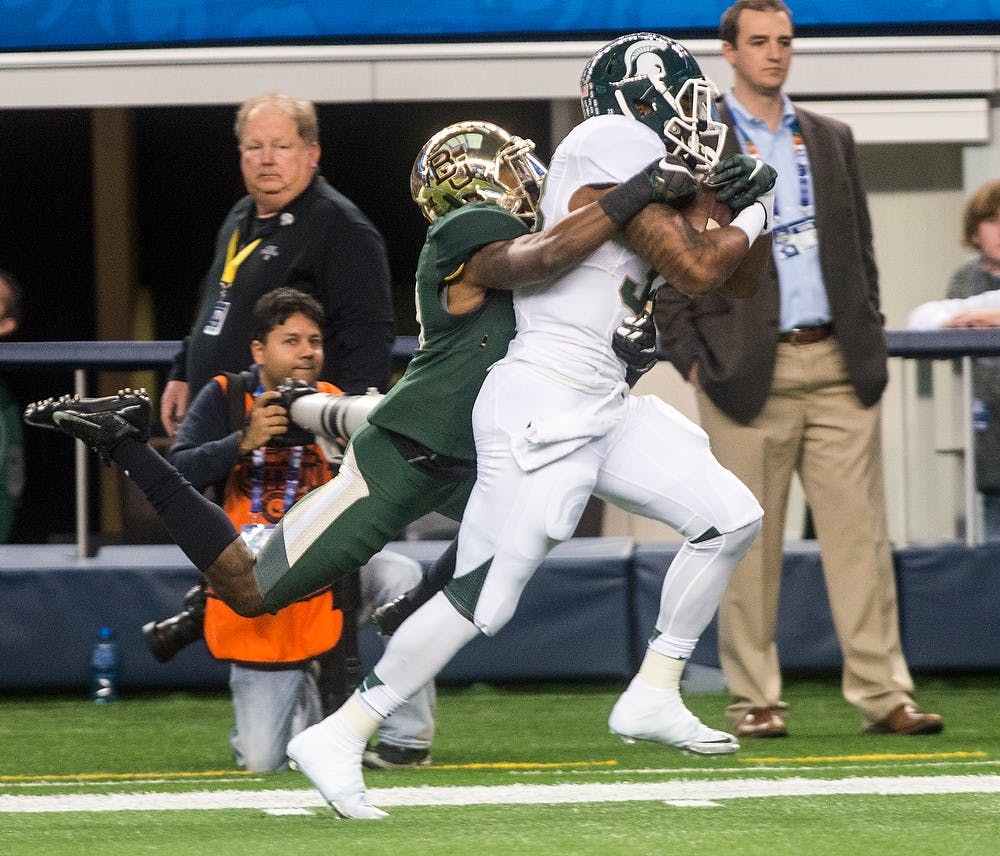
[101,423]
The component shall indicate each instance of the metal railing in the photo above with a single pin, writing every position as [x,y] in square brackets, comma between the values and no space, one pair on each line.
[962,345]
[84,357]
[81,358]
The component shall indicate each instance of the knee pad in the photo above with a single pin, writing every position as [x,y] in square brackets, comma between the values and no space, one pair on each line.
[265,762]
[739,541]
[562,517]
[733,545]
[500,591]
[388,574]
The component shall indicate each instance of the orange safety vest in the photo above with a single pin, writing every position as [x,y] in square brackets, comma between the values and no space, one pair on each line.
[304,629]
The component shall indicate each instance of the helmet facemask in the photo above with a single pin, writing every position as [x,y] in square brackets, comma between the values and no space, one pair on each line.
[696,134]
[477,162]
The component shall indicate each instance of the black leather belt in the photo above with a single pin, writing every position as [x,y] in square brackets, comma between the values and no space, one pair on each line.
[807,335]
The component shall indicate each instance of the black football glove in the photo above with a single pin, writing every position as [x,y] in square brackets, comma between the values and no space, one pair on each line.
[667,180]
[634,342]
[740,180]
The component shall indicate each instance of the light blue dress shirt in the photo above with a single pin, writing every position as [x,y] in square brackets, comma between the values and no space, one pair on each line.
[796,254]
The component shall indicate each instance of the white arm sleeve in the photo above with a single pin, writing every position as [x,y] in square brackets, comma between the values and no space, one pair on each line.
[934,313]
[751,220]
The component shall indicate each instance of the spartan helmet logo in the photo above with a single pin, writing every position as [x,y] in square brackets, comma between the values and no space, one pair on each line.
[642,59]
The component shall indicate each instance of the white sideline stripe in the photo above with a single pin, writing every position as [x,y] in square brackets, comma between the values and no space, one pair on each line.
[507,794]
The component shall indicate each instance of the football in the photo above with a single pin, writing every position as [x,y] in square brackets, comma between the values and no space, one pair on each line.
[705,211]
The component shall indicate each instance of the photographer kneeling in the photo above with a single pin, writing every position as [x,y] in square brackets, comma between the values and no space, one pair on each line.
[238,433]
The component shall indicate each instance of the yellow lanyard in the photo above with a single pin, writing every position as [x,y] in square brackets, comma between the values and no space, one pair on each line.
[234,259]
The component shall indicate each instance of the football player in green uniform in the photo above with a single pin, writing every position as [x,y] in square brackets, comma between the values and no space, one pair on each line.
[479,186]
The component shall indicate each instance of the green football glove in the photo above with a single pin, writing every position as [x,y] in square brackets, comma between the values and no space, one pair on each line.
[740,180]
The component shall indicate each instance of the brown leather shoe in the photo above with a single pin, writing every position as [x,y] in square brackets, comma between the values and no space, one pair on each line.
[907,719]
[762,722]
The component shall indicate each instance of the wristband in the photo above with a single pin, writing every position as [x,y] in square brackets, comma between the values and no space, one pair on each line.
[626,200]
[751,220]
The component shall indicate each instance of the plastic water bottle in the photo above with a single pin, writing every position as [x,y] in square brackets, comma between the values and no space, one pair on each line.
[104,668]
[980,415]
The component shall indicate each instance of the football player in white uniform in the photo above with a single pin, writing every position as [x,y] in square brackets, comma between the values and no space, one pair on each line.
[554,423]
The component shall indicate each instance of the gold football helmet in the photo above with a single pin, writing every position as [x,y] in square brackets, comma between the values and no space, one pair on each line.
[476,161]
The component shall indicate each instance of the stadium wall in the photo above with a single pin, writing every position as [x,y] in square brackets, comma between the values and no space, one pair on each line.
[585,615]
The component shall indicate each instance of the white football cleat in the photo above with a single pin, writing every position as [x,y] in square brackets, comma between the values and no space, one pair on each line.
[645,712]
[330,757]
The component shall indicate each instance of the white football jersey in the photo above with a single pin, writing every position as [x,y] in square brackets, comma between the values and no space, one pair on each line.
[565,325]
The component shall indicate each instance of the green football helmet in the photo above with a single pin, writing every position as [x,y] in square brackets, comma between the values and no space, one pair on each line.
[655,80]
[476,161]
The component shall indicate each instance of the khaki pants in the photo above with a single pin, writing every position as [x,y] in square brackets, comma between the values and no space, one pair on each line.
[812,424]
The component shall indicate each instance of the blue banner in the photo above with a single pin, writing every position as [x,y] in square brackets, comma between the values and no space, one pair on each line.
[67,24]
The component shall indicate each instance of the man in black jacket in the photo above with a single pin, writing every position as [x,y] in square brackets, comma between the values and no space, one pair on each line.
[292,229]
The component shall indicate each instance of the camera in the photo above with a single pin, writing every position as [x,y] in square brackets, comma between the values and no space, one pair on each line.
[333,417]
[165,638]
[313,417]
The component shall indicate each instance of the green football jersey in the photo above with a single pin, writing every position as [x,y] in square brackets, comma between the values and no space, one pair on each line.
[432,402]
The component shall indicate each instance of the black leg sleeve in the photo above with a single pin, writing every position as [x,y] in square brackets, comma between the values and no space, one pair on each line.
[198,526]
[435,578]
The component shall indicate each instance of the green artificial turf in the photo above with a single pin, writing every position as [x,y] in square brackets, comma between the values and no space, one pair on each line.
[541,734]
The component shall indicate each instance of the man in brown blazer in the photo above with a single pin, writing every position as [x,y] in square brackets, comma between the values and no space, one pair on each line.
[791,381]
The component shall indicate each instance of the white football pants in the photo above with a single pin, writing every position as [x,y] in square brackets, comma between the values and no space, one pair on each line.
[653,461]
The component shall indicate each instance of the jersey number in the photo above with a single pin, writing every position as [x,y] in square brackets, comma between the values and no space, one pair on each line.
[635,294]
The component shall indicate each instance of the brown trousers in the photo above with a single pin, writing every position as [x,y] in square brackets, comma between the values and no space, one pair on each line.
[812,424]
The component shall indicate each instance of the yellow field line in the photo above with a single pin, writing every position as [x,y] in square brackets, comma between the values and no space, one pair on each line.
[208,774]
[881,756]
[517,765]
[510,765]
[84,777]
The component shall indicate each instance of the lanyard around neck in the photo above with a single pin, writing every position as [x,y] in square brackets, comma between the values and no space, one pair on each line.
[258,461]
[801,160]
[234,259]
